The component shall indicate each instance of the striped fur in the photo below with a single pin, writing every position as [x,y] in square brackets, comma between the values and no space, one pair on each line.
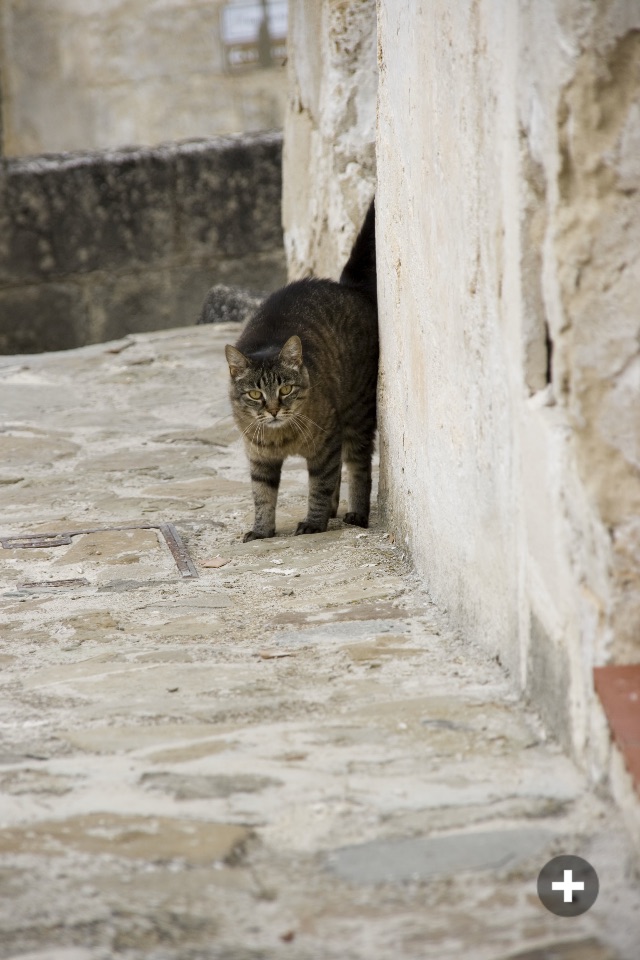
[303,383]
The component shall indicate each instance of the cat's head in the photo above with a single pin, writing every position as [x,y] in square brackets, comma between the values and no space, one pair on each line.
[269,389]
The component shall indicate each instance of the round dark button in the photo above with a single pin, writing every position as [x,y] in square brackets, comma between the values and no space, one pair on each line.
[568,886]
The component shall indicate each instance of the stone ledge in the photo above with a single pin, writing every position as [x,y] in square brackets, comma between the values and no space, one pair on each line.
[97,245]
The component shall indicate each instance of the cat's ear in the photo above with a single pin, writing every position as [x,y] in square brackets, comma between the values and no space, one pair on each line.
[291,353]
[237,361]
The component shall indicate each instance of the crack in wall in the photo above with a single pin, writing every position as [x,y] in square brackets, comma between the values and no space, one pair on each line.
[537,343]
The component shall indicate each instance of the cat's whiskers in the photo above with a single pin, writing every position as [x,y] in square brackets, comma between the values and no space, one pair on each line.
[309,420]
[256,426]
[304,431]
[243,435]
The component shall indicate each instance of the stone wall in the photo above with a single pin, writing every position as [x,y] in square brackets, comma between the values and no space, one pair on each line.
[329,155]
[508,224]
[94,74]
[509,208]
[94,246]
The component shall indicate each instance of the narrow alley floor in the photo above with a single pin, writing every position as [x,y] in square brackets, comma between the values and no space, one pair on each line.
[278,749]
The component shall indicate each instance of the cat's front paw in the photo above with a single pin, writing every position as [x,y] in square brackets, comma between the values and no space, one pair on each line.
[255,535]
[356,519]
[305,527]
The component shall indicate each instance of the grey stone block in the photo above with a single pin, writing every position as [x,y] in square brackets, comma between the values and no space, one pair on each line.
[425,858]
[224,304]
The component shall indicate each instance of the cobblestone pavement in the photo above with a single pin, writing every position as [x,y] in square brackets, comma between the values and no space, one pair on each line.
[289,755]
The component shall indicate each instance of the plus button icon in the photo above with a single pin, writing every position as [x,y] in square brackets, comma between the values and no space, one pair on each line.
[572,876]
[568,885]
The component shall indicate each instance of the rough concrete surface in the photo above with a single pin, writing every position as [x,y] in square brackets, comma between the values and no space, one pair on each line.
[289,755]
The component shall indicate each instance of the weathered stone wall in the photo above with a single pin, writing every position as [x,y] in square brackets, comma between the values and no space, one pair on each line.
[510,215]
[508,224]
[93,246]
[1,110]
[330,128]
[93,74]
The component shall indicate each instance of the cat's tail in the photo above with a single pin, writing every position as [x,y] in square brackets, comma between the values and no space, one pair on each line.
[360,270]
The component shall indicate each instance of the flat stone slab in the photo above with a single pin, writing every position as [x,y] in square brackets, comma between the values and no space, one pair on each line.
[115,738]
[590,949]
[150,839]
[426,858]
[193,787]
[63,953]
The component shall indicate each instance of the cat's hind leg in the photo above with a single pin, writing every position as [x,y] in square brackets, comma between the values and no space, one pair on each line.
[358,455]
[324,477]
[335,499]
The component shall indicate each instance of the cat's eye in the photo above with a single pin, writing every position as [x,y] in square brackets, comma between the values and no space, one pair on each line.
[255,394]
[285,389]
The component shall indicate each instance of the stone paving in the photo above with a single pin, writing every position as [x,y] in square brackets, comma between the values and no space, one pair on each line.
[291,754]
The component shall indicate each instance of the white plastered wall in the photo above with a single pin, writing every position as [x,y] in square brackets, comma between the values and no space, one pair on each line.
[508,212]
[508,225]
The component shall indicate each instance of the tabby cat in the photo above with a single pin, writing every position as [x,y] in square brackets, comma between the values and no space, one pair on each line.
[303,382]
